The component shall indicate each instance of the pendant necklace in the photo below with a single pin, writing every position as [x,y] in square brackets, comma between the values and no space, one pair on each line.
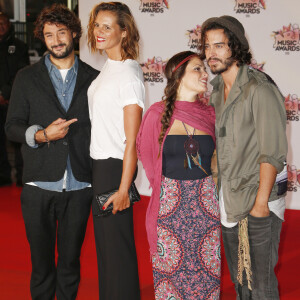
[191,147]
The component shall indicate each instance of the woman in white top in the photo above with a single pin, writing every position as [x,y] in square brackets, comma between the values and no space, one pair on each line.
[116,102]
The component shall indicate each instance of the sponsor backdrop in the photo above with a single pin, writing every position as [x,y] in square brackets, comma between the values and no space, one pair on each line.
[169,26]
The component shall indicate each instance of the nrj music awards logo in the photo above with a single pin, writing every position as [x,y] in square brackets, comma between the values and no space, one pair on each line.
[154,6]
[287,38]
[292,106]
[259,66]
[194,37]
[249,6]
[153,70]
[293,178]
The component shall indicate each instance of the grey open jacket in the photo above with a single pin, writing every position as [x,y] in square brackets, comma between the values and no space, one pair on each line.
[250,130]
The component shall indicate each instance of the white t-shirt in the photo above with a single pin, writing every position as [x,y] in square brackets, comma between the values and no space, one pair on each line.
[120,83]
[63,73]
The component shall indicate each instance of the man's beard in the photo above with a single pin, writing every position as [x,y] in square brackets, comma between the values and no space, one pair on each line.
[226,64]
[64,54]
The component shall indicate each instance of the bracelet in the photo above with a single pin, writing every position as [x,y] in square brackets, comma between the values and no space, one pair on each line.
[46,138]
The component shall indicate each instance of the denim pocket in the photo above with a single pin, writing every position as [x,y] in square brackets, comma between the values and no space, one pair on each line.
[259,218]
[260,228]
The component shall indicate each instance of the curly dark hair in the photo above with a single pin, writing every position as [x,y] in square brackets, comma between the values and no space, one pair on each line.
[170,92]
[130,44]
[238,52]
[57,14]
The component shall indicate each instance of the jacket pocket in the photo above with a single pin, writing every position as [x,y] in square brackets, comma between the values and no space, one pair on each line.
[241,195]
[244,181]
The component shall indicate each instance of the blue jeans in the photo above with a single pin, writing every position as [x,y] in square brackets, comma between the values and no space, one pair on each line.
[264,237]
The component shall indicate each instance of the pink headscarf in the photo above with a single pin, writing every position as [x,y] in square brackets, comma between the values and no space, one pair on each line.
[195,114]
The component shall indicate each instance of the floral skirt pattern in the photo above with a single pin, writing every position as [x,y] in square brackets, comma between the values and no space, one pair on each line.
[187,265]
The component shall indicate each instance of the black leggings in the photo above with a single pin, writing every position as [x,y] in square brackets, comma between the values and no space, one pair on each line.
[115,246]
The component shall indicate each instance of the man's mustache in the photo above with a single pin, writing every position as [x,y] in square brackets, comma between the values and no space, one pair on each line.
[213,58]
[60,45]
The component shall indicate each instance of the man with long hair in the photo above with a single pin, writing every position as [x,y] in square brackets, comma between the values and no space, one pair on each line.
[251,150]
[48,114]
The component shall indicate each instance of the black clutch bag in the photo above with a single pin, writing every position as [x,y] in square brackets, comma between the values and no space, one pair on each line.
[101,199]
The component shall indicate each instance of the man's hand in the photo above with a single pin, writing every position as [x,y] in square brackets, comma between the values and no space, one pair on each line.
[3,102]
[55,131]
[267,176]
[58,129]
[260,211]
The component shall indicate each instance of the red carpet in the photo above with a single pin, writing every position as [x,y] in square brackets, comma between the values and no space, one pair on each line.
[15,264]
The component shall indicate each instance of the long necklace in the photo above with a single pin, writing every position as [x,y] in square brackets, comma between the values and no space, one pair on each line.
[191,147]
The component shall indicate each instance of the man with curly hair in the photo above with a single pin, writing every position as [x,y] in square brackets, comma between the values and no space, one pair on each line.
[48,114]
[251,149]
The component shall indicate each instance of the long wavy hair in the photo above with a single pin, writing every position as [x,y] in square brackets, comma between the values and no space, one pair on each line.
[171,90]
[238,52]
[57,14]
[130,43]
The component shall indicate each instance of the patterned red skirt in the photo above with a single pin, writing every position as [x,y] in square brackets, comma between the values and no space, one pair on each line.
[187,265]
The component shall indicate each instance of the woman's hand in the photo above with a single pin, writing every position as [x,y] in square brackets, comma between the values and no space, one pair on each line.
[120,201]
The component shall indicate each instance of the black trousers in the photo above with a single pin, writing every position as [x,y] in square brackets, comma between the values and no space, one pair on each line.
[115,246]
[46,215]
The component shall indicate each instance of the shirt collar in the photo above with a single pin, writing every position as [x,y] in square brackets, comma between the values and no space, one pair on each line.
[50,66]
